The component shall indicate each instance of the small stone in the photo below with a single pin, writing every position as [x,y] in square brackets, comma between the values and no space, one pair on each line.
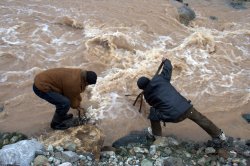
[200,150]
[41,160]
[209,150]
[50,148]
[223,153]
[6,142]
[213,18]
[70,146]
[152,149]
[89,158]
[51,159]
[14,139]
[65,164]
[40,152]
[146,162]
[233,154]
[6,136]
[57,161]
[82,157]
[167,151]
[188,155]
[246,153]
[202,161]
[59,148]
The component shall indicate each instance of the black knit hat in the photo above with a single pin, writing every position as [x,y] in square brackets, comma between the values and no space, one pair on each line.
[143,82]
[91,77]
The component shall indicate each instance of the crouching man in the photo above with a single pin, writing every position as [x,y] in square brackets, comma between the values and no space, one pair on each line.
[62,87]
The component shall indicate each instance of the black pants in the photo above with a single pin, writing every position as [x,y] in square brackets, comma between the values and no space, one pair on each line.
[196,117]
[61,102]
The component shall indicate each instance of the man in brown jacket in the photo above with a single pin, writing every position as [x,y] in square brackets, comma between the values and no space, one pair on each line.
[62,87]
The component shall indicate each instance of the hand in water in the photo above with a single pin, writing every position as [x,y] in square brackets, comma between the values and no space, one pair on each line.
[82,110]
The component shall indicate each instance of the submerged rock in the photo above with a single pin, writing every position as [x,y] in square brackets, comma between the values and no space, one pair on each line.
[246,117]
[186,14]
[238,4]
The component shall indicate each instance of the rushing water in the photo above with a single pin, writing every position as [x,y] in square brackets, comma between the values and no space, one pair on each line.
[121,41]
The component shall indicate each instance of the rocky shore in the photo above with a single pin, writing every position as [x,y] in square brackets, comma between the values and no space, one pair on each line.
[142,151]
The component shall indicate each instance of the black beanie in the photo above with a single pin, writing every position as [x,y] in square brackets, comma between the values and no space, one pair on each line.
[91,77]
[143,82]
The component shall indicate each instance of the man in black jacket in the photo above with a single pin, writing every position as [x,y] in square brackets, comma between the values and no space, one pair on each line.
[168,105]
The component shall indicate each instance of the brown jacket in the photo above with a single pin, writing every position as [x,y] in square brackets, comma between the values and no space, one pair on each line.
[65,81]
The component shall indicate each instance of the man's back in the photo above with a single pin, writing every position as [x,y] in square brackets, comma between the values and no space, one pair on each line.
[161,95]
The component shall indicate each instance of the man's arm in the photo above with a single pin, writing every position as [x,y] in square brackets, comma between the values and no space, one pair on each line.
[167,69]
[75,101]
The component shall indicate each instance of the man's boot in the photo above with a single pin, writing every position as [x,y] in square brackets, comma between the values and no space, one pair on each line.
[57,122]
[156,128]
[67,117]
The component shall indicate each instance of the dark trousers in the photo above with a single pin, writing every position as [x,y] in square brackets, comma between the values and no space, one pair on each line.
[196,117]
[61,102]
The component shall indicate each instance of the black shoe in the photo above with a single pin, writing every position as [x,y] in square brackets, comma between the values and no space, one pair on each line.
[57,122]
[149,134]
[57,126]
[67,117]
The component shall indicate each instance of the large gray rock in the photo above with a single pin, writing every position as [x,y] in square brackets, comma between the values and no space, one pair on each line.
[21,153]
[186,14]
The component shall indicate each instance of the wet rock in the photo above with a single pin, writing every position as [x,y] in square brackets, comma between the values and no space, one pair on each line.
[248,142]
[40,152]
[210,150]
[213,17]
[134,137]
[223,153]
[50,148]
[173,161]
[59,148]
[246,117]
[186,14]
[152,149]
[67,156]
[202,161]
[41,160]
[65,164]
[166,141]
[167,151]
[146,162]
[87,138]
[70,22]
[246,153]
[140,150]
[237,4]
[70,146]
[14,139]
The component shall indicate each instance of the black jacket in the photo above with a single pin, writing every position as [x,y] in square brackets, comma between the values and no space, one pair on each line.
[164,98]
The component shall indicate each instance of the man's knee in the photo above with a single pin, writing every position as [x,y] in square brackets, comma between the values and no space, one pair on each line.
[66,104]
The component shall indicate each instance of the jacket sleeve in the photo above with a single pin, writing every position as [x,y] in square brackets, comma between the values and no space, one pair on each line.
[167,70]
[75,101]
